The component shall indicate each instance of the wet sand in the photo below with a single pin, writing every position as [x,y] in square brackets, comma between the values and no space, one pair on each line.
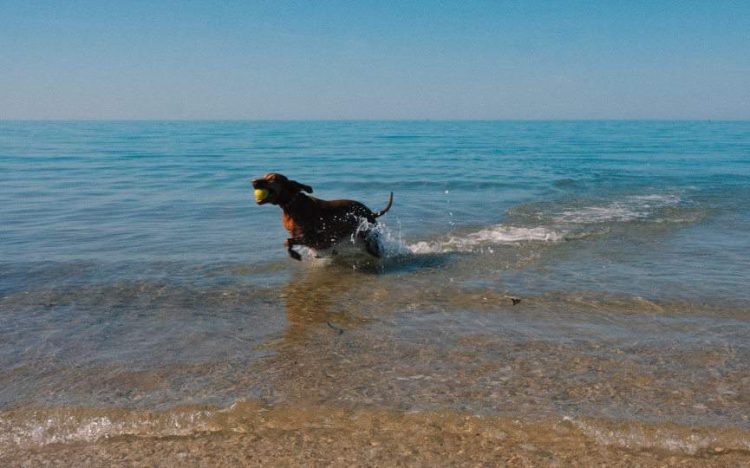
[252,434]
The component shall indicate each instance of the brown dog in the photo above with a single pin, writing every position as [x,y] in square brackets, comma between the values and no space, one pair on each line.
[319,224]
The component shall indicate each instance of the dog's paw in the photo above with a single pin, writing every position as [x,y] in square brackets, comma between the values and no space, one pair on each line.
[294,254]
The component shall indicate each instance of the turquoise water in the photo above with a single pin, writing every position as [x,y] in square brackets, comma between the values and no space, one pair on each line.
[665,203]
[136,269]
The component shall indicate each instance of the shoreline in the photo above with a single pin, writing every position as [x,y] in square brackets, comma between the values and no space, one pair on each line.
[250,433]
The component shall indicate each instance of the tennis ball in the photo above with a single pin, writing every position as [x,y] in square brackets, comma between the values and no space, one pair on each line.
[260,194]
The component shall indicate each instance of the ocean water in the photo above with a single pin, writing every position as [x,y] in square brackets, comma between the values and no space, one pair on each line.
[144,293]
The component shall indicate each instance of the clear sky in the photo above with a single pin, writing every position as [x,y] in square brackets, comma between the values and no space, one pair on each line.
[329,59]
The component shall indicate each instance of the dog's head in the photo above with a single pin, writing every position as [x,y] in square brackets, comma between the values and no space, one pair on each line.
[277,189]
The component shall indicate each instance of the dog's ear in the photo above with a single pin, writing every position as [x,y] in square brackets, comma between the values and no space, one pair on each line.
[304,187]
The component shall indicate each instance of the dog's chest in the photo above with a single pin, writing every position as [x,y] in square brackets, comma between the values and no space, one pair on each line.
[289,224]
[320,231]
[306,225]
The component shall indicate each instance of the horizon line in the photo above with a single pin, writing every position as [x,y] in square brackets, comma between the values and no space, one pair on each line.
[200,119]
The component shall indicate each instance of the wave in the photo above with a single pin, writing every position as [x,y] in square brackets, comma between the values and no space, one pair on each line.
[630,208]
[669,437]
[551,223]
[486,238]
[29,428]
[70,425]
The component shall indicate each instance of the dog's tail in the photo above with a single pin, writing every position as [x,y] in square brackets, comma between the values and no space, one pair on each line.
[387,207]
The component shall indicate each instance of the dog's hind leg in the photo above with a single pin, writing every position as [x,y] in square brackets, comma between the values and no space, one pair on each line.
[373,246]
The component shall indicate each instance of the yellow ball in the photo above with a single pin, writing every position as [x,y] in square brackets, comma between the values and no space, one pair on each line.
[260,194]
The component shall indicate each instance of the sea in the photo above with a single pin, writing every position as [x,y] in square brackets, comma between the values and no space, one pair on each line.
[591,277]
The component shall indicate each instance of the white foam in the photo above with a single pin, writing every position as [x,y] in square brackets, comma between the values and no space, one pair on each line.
[629,209]
[66,428]
[486,238]
[633,436]
[598,214]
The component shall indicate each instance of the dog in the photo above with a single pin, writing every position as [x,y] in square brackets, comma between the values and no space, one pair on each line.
[319,224]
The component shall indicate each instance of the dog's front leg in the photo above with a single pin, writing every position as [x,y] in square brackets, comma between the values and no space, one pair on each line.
[289,243]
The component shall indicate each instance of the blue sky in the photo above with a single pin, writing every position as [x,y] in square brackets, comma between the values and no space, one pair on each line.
[352,59]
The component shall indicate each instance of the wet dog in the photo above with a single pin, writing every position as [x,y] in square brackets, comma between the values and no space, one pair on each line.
[319,224]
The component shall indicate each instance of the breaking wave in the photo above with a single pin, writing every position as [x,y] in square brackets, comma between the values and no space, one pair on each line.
[66,425]
[73,425]
[486,238]
[629,209]
[670,437]
[555,223]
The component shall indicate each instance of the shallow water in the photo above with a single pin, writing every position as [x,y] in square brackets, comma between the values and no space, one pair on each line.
[138,275]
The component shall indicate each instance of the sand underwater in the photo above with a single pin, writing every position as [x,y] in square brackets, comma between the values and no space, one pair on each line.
[149,315]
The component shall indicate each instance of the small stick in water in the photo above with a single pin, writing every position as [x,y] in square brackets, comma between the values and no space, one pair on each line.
[339,331]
